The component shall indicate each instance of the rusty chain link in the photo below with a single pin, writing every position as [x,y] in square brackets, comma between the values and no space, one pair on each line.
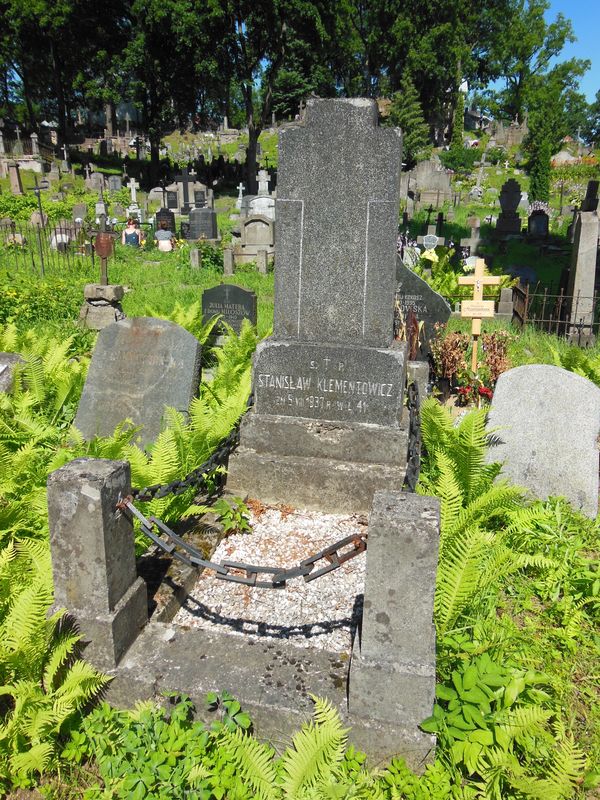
[237,572]
[196,479]
[413,463]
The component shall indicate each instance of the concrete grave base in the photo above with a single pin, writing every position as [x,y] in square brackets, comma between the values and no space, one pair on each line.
[319,475]
[272,680]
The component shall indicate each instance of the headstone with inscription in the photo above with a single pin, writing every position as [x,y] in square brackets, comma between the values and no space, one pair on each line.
[203,224]
[538,225]
[233,303]
[165,215]
[115,184]
[140,366]
[416,295]
[326,429]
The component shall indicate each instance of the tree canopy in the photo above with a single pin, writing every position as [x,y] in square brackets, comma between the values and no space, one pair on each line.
[183,60]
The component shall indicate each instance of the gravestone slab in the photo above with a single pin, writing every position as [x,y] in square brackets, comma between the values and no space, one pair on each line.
[233,303]
[429,307]
[165,215]
[115,184]
[199,198]
[538,225]
[80,211]
[392,674]
[7,368]
[548,420]
[139,366]
[330,285]
[172,200]
[203,224]
[330,378]
[582,275]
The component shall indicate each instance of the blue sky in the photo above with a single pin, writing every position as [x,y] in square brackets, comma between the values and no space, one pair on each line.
[585,16]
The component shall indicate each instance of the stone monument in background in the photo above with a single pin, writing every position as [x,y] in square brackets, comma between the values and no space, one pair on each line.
[326,429]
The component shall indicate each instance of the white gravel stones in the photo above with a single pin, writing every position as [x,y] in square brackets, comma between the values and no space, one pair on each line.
[323,613]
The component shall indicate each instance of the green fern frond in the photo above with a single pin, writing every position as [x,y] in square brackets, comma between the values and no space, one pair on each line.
[254,762]
[316,749]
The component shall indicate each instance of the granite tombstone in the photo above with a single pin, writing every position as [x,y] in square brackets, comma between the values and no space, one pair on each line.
[203,224]
[326,428]
[416,295]
[139,367]
[548,420]
[233,303]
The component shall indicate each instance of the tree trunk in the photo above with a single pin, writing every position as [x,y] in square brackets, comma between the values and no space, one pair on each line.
[154,160]
[59,92]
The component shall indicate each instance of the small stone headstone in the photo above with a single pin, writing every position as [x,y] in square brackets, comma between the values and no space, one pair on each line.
[39,220]
[199,198]
[429,307]
[80,211]
[7,368]
[118,211]
[139,366]
[165,215]
[115,183]
[538,225]
[97,181]
[203,224]
[172,200]
[548,420]
[233,303]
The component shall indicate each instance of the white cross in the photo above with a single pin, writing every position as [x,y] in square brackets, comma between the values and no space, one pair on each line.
[64,149]
[193,173]
[132,186]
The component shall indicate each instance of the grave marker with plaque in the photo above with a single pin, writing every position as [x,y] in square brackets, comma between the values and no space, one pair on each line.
[233,303]
[326,428]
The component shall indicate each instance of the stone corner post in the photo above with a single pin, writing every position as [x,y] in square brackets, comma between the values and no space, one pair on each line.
[392,674]
[93,556]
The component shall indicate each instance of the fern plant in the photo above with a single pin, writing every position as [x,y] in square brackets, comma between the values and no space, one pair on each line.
[42,685]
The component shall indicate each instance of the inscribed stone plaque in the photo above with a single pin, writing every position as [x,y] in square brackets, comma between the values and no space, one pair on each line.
[115,183]
[334,280]
[429,307]
[339,382]
[139,366]
[233,303]
[172,200]
[203,224]
[548,421]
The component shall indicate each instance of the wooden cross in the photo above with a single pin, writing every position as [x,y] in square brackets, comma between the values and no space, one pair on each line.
[477,308]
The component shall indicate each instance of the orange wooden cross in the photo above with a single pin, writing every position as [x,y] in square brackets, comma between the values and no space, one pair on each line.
[477,308]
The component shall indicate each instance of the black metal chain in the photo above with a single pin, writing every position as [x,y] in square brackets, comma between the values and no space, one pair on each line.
[197,478]
[237,572]
[413,463]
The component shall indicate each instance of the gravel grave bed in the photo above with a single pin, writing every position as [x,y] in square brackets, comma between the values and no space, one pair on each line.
[323,613]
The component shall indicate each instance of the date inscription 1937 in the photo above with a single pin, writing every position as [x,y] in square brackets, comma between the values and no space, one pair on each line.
[325,387]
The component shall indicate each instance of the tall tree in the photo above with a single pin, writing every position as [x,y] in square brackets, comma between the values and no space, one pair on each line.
[406,113]
[524,52]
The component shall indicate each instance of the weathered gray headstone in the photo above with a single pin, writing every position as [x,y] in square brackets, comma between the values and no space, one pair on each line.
[429,307]
[80,211]
[538,225]
[115,183]
[233,303]
[139,366]
[548,420]
[7,368]
[331,361]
